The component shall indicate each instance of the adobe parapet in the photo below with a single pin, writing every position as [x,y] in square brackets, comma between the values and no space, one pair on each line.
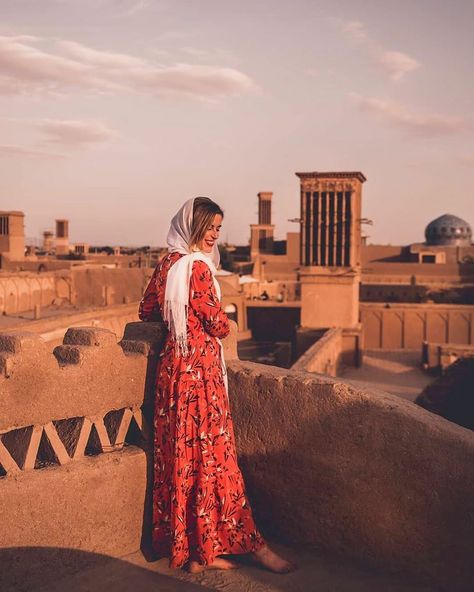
[354,471]
[333,175]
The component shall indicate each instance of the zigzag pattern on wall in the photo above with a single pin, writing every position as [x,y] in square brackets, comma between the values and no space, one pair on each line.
[65,440]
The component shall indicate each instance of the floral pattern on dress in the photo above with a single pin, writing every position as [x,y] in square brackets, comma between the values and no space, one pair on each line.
[200,509]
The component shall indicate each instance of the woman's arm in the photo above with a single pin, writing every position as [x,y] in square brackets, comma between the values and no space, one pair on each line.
[149,309]
[203,300]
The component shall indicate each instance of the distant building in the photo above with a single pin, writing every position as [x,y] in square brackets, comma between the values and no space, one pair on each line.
[271,260]
[81,249]
[12,237]
[448,230]
[48,241]
[261,234]
[62,237]
[441,269]
[330,248]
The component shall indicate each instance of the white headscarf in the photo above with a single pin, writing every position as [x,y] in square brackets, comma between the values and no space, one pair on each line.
[175,311]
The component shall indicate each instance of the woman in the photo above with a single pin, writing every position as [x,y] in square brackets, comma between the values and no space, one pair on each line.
[200,511]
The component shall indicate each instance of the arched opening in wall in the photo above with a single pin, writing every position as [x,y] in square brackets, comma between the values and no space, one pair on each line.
[63,289]
[24,290]
[35,293]
[41,268]
[11,298]
[231,311]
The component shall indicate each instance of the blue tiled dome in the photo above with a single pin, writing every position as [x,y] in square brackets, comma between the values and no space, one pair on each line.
[448,230]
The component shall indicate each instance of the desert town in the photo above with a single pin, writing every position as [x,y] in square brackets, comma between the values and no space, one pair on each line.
[351,307]
[370,347]
[236,296]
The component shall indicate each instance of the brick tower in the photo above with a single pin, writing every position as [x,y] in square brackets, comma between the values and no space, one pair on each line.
[330,248]
[62,237]
[12,236]
[261,234]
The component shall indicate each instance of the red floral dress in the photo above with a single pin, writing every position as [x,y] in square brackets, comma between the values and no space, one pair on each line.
[200,509]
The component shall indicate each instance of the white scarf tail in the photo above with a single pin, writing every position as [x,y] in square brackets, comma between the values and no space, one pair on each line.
[175,310]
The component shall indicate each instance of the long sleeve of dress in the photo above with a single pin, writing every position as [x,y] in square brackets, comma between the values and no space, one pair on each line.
[204,302]
[149,309]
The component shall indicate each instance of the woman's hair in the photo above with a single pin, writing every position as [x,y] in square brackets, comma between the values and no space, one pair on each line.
[204,210]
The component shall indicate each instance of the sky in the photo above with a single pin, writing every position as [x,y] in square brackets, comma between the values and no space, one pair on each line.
[114,112]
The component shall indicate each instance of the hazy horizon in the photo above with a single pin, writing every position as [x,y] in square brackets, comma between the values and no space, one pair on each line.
[114,112]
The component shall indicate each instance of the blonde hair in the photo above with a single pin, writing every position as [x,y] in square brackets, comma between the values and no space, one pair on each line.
[204,211]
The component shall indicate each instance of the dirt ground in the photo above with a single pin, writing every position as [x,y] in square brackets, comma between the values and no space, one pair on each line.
[395,371]
[314,574]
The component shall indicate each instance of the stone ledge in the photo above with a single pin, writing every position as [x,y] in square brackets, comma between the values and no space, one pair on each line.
[89,336]
[16,343]
[68,354]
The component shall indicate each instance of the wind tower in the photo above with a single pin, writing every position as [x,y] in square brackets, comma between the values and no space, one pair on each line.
[261,234]
[62,237]
[330,248]
[12,236]
[48,240]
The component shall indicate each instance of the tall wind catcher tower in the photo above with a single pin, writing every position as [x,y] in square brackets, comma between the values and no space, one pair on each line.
[261,234]
[330,248]
[12,236]
[62,237]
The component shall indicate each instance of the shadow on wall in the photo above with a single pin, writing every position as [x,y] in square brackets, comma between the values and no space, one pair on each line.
[370,512]
[373,478]
[148,332]
[51,569]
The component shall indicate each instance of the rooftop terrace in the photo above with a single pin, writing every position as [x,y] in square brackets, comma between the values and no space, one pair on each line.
[360,484]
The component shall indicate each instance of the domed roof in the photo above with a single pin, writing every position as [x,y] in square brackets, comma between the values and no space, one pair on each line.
[448,230]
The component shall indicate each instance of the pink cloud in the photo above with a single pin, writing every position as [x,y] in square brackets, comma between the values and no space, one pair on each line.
[355,30]
[25,68]
[395,63]
[75,132]
[421,124]
[12,150]
[136,7]
[99,59]
[66,134]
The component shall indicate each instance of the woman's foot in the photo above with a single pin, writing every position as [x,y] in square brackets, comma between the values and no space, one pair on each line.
[273,562]
[218,563]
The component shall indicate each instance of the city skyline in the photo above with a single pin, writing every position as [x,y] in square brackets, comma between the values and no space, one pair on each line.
[114,112]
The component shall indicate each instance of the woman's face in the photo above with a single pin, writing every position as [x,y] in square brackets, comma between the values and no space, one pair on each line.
[212,234]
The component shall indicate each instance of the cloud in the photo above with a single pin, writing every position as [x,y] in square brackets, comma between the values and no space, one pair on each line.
[74,132]
[396,64]
[400,116]
[64,134]
[195,52]
[136,7]
[206,55]
[195,81]
[25,68]
[12,150]
[355,30]
[98,59]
